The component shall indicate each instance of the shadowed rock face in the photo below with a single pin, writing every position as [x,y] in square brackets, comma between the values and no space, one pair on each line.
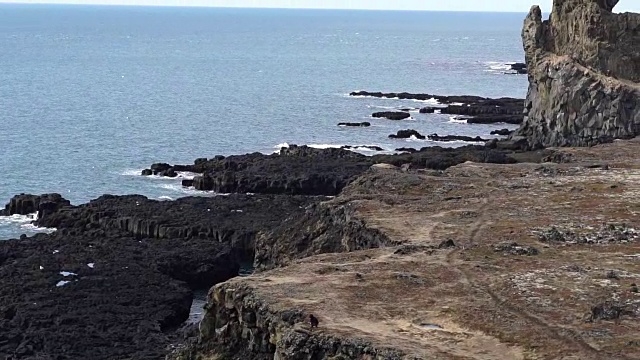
[321,229]
[584,69]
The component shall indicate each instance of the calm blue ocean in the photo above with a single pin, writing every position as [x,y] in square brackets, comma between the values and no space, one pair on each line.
[90,95]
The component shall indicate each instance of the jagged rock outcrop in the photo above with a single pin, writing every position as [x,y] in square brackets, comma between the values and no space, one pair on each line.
[25,204]
[302,170]
[392,115]
[584,74]
[295,170]
[406,134]
[239,324]
[322,229]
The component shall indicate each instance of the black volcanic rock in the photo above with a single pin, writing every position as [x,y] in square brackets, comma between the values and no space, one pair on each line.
[121,269]
[438,158]
[427,110]
[160,167]
[296,170]
[369,147]
[358,124]
[520,68]
[506,110]
[483,110]
[494,119]
[202,182]
[406,134]
[301,170]
[25,204]
[502,132]
[392,115]
[447,138]
[190,217]
[407,150]
[121,300]
[442,99]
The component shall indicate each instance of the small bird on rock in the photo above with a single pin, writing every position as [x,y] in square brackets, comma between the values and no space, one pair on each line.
[313,321]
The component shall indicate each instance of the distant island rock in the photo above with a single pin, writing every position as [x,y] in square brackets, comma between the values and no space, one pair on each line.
[480,110]
[392,115]
[355,124]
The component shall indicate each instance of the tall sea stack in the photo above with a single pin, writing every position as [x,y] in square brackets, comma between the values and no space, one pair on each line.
[584,74]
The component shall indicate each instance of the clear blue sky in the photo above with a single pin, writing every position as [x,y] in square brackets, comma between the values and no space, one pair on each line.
[446,5]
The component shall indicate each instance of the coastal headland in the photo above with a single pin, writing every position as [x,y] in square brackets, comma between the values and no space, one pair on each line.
[524,247]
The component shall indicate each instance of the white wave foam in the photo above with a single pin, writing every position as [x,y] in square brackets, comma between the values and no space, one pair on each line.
[186,175]
[165,198]
[187,190]
[380,107]
[358,149]
[432,101]
[324,146]
[413,138]
[24,222]
[33,228]
[348,95]
[455,119]
[282,145]
[62,283]
[181,175]
[18,219]
[316,146]
[365,149]
[499,66]
[131,172]
[396,108]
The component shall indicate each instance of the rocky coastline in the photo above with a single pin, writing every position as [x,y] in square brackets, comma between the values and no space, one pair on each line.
[153,255]
[474,109]
[508,249]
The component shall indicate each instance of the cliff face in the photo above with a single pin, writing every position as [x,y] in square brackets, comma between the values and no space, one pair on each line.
[321,229]
[238,322]
[584,69]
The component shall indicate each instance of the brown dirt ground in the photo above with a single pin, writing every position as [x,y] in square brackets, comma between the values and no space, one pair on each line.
[471,302]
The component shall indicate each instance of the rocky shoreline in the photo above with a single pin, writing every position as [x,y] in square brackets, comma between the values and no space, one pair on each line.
[134,246]
[504,250]
[152,255]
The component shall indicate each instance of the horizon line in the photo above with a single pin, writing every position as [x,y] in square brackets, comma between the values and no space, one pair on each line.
[247,7]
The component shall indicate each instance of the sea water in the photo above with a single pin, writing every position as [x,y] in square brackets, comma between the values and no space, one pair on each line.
[91,95]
